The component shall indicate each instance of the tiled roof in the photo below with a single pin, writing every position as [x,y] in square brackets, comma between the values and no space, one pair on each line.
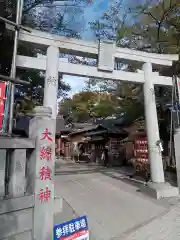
[85,129]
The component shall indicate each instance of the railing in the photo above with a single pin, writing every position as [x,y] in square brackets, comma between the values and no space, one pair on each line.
[17,205]
[27,195]
[14,154]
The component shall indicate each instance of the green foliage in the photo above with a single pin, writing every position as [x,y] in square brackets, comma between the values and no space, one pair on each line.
[157,26]
[153,27]
[104,99]
[88,105]
[128,98]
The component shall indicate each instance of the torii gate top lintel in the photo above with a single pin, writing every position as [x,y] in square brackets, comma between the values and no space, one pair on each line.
[105,51]
[87,48]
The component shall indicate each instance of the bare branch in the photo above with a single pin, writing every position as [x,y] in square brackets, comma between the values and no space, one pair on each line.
[39,2]
[153,17]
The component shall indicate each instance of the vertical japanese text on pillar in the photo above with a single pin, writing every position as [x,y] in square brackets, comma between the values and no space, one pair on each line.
[45,171]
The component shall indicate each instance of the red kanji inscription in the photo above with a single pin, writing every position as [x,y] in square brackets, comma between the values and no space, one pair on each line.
[44,195]
[46,135]
[45,173]
[46,153]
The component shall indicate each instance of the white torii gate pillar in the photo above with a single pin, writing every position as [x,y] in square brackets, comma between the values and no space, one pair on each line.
[158,188]
[155,156]
[51,80]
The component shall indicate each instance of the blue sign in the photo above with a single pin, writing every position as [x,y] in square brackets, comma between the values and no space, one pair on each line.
[72,230]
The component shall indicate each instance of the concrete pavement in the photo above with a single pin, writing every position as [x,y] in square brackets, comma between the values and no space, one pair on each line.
[165,227]
[114,206]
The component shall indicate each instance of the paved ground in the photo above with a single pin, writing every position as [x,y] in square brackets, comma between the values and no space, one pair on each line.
[114,206]
[166,227]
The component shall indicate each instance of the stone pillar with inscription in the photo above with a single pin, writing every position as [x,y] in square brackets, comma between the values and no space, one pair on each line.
[51,80]
[40,179]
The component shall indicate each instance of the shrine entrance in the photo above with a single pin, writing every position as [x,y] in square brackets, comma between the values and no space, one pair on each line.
[107,53]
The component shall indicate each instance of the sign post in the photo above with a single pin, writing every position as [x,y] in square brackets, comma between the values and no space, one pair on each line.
[76,229]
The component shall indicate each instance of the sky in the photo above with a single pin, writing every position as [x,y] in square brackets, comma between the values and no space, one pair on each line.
[94,12]
[76,83]
[91,13]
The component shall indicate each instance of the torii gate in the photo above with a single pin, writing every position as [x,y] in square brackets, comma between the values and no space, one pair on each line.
[106,52]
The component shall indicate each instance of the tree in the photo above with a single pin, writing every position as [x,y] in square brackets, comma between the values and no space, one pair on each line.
[156,28]
[33,94]
[128,97]
[54,19]
[57,16]
[112,23]
[88,105]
